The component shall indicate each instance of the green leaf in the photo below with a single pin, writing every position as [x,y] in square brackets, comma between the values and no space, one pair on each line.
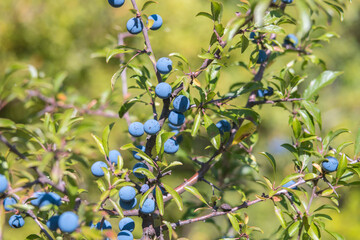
[304,17]
[206,56]
[205,14]
[178,55]
[271,29]
[331,135]
[116,77]
[216,10]
[196,193]
[24,207]
[7,123]
[116,51]
[324,79]
[327,206]
[259,12]
[357,143]
[244,43]
[145,172]
[307,121]
[196,124]
[99,144]
[234,222]
[335,235]
[172,164]
[159,200]
[314,232]
[175,196]
[140,153]
[291,177]
[313,110]
[212,131]
[147,3]
[117,207]
[294,228]
[309,176]
[296,126]
[341,167]
[105,138]
[170,229]
[271,159]
[145,195]
[280,216]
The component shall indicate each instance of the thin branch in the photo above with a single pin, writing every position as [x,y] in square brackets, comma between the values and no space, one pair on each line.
[32,215]
[53,104]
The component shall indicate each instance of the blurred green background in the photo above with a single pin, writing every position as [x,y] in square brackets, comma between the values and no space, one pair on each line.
[60,36]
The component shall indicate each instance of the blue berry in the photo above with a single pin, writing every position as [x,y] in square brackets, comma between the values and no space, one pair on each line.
[223,126]
[43,199]
[288,184]
[252,37]
[139,165]
[116,3]
[134,25]
[287,1]
[127,224]
[16,221]
[176,118]
[8,202]
[53,223]
[127,193]
[330,165]
[178,136]
[136,129]
[148,206]
[4,184]
[50,198]
[113,156]
[164,65]
[135,155]
[96,168]
[173,127]
[106,225]
[181,103]
[171,146]
[260,93]
[163,90]
[144,188]
[68,222]
[125,235]
[37,198]
[269,91]
[262,56]
[157,21]
[152,127]
[291,39]
[128,205]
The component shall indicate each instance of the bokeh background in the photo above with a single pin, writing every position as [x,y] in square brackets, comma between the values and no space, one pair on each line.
[60,36]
